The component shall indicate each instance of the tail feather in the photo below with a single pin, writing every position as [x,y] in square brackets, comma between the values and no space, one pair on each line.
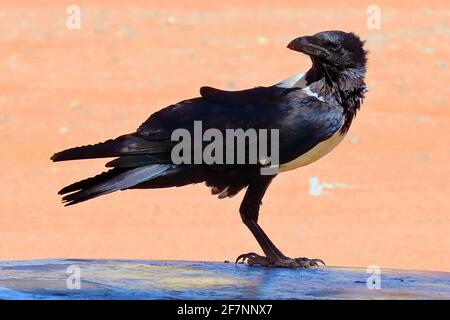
[130,144]
[111,181]
[138,161]
[86,183]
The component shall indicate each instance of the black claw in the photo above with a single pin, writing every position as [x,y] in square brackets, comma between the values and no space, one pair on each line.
[245,256]
[316,261]
[311,262]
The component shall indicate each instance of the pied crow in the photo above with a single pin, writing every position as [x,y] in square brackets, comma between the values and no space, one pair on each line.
[311,112]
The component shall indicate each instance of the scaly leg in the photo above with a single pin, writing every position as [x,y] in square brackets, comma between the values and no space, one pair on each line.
[249,213]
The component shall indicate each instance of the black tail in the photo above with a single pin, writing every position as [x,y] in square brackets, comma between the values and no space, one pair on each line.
[110,181]
[129,144]
[140,160]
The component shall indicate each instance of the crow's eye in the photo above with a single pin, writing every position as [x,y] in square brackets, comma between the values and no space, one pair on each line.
[335,47]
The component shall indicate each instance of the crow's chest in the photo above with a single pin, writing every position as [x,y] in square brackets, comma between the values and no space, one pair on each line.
[315,153]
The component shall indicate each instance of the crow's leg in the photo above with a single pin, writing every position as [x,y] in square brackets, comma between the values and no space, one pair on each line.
[249,213]
[274,257]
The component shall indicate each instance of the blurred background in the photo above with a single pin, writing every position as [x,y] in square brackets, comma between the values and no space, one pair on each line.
[380,198]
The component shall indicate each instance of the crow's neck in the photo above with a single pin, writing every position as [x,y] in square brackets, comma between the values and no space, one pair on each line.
[346,86]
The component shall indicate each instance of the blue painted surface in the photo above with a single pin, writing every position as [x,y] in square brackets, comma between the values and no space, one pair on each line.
[134,279]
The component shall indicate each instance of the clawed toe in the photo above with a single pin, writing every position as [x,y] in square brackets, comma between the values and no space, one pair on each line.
[244,256]
[305,262]
[253,259]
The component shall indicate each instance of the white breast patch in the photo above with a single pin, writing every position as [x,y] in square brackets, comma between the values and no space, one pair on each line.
[315,153]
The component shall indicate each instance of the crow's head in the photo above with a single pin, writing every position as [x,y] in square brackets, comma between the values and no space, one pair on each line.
[337,49]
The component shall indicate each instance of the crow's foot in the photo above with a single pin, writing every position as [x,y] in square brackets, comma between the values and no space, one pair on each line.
[254,259]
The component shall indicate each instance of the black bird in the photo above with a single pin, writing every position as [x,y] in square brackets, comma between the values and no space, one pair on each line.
[312,111]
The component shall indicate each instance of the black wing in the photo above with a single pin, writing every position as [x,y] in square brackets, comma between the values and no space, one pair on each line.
[303,121]
[215,108]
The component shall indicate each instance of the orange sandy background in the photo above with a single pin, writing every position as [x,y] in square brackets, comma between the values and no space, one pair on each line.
[386,190]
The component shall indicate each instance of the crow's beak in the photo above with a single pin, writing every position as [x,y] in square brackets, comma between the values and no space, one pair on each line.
[310,46]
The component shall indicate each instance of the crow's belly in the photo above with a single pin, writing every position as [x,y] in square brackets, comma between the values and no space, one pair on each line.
[314,154]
